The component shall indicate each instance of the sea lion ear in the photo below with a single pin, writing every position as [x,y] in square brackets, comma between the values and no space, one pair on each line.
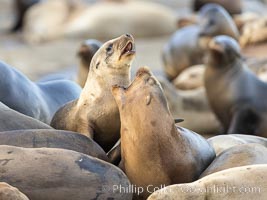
[118,92]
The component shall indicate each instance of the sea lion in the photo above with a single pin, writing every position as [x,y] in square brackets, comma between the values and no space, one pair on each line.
[247,182]
[223,142]
[85,54]
[237,156]
[235,94]
[154,151]
[13,120]
[191,78]
[254,32]
[51,138]
[20,8]
[7,192]
[232,6]
[189,105]
[186,46]
[56,174]
[95,114]
[37,100]
[74,20]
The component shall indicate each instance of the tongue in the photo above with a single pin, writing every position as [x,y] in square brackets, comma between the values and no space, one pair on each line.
[128,47]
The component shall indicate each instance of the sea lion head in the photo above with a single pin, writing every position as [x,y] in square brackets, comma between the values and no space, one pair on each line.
[114,56]
[87,50]
[145,93]
[222,52]
[214,20]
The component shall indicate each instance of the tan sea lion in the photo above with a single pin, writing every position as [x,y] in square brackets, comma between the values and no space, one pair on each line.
[191,78]
[239,183]
[56,174]
[237,156]
[38,100]
[51,138]
[154,151]
[235,94]
[223,142]
[13,120]
[95,114]
[102,20]
[186,46]
[254,32]
[232,6]
[7,192]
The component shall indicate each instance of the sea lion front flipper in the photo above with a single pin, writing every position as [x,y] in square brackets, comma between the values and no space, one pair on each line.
[244,121]
[176,121]
[114,154]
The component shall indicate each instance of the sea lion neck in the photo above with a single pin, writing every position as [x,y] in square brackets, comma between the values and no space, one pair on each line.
[234,66]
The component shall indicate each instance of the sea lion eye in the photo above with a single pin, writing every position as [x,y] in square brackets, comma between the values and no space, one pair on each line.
[109,48]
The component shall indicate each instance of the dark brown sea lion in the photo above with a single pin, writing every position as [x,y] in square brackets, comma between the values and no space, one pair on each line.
[186,46]
[154,151]
[235,94]
[95,114]
[51,138]
[38,100]
[57,174]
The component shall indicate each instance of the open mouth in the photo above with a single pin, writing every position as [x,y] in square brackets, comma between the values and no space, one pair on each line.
[129,49]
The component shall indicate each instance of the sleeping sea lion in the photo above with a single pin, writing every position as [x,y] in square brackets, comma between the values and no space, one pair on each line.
[38,100]
[235,94]
[191,78]
[57,174]
[102,20]
[51,138]
[95,114]
[237,156]
[246,182]
[13,120]
[154,151]
[223,142]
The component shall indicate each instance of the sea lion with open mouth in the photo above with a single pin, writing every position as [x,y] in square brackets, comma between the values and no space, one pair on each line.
[95,114]
[154,151]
